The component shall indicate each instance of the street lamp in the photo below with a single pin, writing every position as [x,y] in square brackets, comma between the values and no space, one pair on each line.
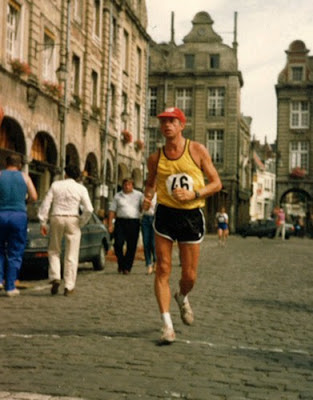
[62,77]
[62,74]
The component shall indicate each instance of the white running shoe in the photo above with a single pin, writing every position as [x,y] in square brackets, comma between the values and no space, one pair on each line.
[186,313]
[168,335]
[12,293]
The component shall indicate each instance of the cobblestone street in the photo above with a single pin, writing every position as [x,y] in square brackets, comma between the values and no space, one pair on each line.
[252,337]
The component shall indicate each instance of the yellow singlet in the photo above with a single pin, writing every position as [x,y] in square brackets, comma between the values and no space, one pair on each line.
[183,173]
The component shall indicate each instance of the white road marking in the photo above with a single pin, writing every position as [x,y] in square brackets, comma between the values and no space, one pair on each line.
[188,342]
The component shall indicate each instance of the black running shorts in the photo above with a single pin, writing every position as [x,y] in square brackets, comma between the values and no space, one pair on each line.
[185,226]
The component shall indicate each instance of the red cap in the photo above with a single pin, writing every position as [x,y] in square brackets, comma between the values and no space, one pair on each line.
[173,112]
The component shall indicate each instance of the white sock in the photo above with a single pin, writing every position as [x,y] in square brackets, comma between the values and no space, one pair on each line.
[167,320]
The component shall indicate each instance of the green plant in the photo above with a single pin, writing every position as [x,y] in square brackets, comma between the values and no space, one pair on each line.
[53,88]
[19,67]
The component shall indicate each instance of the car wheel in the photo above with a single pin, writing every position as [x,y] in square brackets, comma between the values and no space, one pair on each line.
[99,261]
[244,235]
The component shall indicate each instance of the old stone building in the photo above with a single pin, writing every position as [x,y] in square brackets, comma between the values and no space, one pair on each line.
[73,87]
[294,92]
[262,201]
[201,77]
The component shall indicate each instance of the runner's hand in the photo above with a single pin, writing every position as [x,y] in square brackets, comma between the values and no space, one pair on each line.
[182,194]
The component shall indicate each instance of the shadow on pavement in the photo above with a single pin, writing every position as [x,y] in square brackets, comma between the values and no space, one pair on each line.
[281,305]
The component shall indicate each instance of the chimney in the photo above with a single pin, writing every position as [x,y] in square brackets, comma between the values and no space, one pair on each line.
[235,43]
[172,28]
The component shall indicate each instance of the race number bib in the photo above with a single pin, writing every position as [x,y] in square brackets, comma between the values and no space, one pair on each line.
[183,181]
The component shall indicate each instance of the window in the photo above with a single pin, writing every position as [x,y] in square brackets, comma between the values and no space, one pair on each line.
[217,102]
[155,140]
[189,61]
[75,75]
[97,18]
[215,145]
[153,94]
[112,99]
[299,155]
[214,61]
[38,149]
[48,57]
[13,30]
[184,100]
[125,51]
[137,121]
[297,73]
[138,66]
[299,115]
[124,115]
[114,35]
[78,10]
[94,88]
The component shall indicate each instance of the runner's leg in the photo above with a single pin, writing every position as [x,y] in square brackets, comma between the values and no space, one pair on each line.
[163,248]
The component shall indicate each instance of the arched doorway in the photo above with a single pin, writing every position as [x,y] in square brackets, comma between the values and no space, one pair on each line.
[12,139]
[122,174]
[298,206]
[137,177]
[72,156]
[43,165]
[90,176]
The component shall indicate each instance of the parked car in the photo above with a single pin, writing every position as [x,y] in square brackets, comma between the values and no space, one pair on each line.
[94,243]
[261,228]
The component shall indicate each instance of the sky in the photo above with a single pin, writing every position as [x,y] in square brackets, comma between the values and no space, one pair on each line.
[265,29]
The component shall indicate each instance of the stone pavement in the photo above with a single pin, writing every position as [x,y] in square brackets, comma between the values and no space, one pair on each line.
[252,338]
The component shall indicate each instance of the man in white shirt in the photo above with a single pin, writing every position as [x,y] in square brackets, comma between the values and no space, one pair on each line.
[61,204]
[125,209]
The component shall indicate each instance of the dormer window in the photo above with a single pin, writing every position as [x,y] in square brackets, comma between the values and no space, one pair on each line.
[214,61]
[189,61]
[297,74]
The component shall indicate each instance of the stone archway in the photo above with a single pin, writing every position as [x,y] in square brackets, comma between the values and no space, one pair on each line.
[137,177]
[43,165]
[12,140]
[298,206]
[72,155]
[122,174]
[91,176]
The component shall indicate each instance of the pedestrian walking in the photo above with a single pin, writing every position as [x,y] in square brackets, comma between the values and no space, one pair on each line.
[62,203]
[148,236]
[16,188]
[175,173]
[125,211]
[280,222]
[222,226]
